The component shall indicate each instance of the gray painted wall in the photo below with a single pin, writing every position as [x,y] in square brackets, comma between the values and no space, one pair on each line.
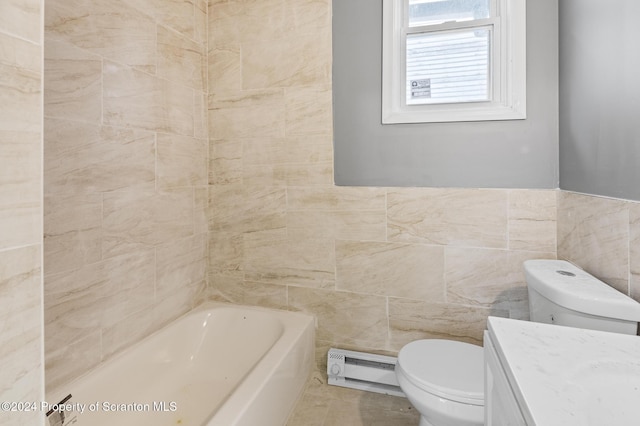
[600,97]
[499,154]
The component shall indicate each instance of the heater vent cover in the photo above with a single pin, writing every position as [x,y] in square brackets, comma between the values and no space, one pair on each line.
[364,371]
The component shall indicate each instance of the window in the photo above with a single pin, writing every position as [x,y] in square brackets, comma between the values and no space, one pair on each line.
[453,60]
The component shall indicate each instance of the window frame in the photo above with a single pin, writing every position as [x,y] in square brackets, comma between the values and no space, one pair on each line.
[507,85]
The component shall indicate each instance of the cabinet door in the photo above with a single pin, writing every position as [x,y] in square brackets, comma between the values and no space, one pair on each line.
[501,407]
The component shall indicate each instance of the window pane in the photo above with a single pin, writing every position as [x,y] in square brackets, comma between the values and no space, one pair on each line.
[450,66]
[430,12]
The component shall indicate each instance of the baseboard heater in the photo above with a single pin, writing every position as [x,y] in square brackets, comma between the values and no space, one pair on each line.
[363,371]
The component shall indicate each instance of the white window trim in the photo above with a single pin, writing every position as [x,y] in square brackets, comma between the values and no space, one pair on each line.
[509,79]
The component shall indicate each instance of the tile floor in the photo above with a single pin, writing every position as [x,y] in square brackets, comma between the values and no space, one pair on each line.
[324,405]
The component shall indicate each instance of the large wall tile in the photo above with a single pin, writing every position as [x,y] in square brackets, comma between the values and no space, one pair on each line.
[179,264]
[21,18]
[73,359]
[303,262]
[346,318]
[20,340]
[225,162]
[84,158]
[336,198]
[457,217]
[309,110]
[244,208]
[532,220]
[593,232]
[113,29]
[247,114]
[289,174]
[489,278]
[72,231]
[136,99]
[73,78]
[97,296]
[225,69]
[391,269]
[176,14]
[286,61]
[133,221]
[290,150]
[181,60]
[345,225]
[251,293]
[411,320]
[181,161]
[20,53]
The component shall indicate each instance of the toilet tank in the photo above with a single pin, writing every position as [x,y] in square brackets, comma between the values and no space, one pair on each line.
[563,294]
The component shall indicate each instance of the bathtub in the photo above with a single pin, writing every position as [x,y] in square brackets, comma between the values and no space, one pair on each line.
[218,365]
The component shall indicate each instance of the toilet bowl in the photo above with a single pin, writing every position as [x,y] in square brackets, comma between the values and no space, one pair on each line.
[444,381]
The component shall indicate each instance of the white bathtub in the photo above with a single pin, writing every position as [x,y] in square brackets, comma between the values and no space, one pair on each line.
[219,365]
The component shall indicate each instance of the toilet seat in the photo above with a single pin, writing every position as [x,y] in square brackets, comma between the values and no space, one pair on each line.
[446,368]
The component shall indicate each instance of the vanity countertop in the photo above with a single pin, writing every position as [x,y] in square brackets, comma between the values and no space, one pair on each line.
[568,376]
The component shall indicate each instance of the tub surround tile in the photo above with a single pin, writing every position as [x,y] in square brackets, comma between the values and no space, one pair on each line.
[287,150]
[348,225]
[88,158]
[333,198]
[226,75]
[593,232]
[133,98]
[127,149]
[246,208]
[73,78]
[19,53]
[250,293]
[453,217]
[20,346]
[20,198]
[287,61]
[289,174]
[113,30]
[180,59]
[247,114]
[21,18]
[178,15]
[391,269]
[308,109]
[303,262]
[225,163]
[181,161]
[72,231]
[97,296]
[133,221]
[72,360]
[180,264]
[226,251]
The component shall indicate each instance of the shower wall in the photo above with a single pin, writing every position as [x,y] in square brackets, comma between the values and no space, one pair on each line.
[377,266]
[21,367]
[125,174]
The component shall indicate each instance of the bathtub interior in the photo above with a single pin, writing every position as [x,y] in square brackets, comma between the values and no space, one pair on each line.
[181,374]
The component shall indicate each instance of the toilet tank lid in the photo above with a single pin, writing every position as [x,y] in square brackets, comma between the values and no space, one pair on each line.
[569,286]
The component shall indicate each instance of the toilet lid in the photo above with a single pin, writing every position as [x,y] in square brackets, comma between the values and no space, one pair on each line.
[446,368]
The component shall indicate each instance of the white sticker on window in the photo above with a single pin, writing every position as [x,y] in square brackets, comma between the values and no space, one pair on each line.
[421,88]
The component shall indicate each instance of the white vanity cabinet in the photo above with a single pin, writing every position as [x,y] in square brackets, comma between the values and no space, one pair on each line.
[500,404]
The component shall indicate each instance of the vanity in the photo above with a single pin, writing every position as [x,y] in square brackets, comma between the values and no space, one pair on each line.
[549,375]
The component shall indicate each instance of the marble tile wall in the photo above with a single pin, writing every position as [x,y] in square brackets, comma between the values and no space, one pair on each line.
[125,169]
[602,236]
[21,331]
[378,266]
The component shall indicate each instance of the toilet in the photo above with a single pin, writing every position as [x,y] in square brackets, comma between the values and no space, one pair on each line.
[444,379]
